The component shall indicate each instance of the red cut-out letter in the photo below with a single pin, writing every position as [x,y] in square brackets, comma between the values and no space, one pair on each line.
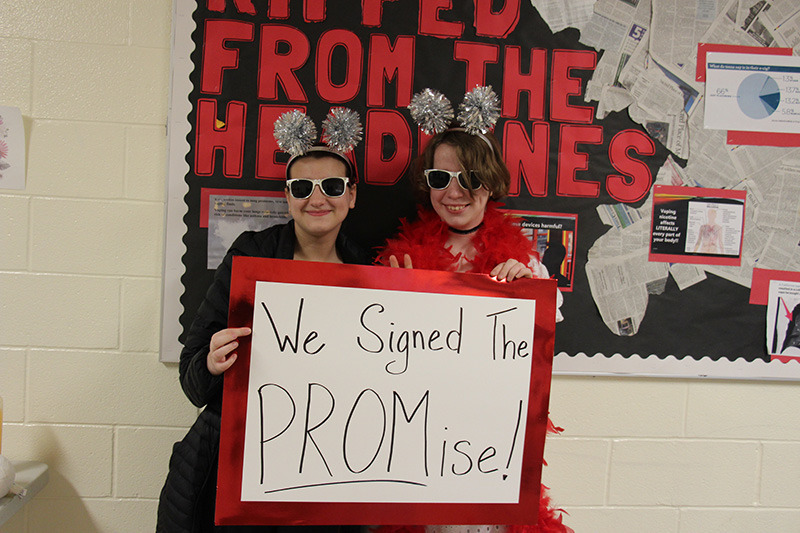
[431,24]
[229,138]
[354,51]
[564,85]
[387,132]
[515,82]
[267,165]
[242,6]
[570,161]
[314,10]
[387,62]
[496,24]
[525,158]
[476,56]
[275,67]
[216,56]
[636,179]
[372,12]
[278,9]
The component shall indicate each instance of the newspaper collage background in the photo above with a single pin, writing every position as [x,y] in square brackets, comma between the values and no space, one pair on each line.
[648,66]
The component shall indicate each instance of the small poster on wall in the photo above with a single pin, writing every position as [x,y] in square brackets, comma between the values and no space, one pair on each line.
[783,320]
[752,92]
[368,395]
[697,225]
[553,238]
[232,212]
[12,149]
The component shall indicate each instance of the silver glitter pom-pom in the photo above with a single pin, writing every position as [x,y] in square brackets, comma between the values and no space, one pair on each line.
[341,129]
[480,110]
[431,110]
[295,132]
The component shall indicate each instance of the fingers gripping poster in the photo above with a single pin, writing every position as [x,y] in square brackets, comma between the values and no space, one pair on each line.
[379,397]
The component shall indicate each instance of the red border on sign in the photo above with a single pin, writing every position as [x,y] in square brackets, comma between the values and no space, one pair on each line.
[247,271]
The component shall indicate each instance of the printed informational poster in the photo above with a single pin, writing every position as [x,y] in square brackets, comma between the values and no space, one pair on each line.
[752,92]
[368,395]
[697,225]
[231,214]
[783,320]
[12,149]
[553,237]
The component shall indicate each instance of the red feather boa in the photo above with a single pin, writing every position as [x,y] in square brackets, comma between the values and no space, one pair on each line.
[495,242]
[424,240]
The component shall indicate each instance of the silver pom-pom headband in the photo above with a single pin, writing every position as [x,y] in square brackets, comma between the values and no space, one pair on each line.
[478,113]
[341,132]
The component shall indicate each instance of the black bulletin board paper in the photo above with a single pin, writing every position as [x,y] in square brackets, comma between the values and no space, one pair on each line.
[372,57]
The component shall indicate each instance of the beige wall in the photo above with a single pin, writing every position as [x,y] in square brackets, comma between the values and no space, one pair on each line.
[80,266]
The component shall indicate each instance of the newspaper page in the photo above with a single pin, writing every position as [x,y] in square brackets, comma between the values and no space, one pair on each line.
[782,252]
[620,285]
[782,18]
[560,15]
[617,27]
[672,174]
[637,63]
[656,102]
[727,30]
[756,161]
[710,163]
[670,130]
[620,216]
[676,28]
[781,208]
[686,275]
[612,99]
[752,24]
[624,241]
[656,94]
[748,10]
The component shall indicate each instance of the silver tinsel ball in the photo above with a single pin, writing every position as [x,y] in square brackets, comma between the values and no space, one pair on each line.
[480,110]
[341,129]
[295,132]
[431,110]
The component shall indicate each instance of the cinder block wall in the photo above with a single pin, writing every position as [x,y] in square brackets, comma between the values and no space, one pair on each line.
[80,266]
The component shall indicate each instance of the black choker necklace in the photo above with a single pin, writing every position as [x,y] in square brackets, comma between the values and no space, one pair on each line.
[466,231]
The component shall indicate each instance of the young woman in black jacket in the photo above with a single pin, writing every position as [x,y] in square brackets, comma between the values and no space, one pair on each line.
[320,193]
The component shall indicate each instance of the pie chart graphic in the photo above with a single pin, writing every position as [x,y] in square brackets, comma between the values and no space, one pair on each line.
[758,96]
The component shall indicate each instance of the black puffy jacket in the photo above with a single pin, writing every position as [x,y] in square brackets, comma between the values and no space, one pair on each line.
[188,497]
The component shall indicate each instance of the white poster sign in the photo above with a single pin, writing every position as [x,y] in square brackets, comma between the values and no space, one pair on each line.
[386,396]
[752,92]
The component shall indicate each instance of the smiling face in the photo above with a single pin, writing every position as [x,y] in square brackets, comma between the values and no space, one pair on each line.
[319,216]
[454,205]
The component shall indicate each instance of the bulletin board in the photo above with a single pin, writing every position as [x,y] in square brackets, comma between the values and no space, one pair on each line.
[598,105]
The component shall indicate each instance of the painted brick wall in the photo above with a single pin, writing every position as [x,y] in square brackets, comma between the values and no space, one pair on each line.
[80,264]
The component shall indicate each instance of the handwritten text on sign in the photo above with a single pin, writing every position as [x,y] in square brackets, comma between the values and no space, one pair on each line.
[386,396]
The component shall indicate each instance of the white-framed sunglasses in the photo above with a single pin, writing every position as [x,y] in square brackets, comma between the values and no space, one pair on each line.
[440,179]
[301,188]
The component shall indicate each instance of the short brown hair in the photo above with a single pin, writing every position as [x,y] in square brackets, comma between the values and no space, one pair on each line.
[321,152]
[479,153]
